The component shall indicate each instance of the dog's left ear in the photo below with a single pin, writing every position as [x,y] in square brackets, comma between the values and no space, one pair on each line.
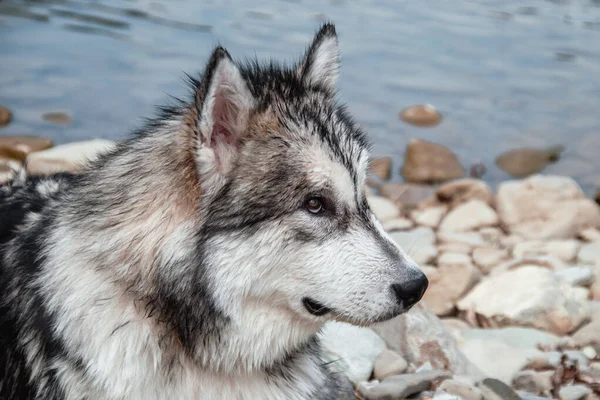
[321,64]
[223,103]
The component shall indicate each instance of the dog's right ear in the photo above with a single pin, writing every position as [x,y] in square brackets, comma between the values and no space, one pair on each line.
[223,103]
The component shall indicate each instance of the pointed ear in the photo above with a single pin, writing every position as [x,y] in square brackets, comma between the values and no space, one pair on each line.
[223,103]
[321,64]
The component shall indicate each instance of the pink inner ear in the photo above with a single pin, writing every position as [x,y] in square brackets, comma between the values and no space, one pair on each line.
[224,115]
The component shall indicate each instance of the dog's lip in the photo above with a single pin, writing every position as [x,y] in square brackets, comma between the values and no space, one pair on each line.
[314,307]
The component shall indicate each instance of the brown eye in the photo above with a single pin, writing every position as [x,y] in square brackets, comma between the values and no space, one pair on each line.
[314,205]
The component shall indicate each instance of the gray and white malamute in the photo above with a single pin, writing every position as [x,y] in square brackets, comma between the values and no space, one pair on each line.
[200,258]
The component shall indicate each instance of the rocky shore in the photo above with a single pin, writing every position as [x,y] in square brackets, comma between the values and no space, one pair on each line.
[513,306]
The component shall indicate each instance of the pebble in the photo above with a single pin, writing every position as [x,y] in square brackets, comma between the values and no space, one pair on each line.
[468,216]
[529,296]
[428,162]
[577,275]
[421,115]
[524,162]
[574,392]
[459,248]
[381,167]
[71,157]
[58,118]
[494,389]
[566,250]
[589,253]
[443,395]
[383,208]
[488,257]
[25,144]
[407,194]
[398,224]
[589,352]
[389,363]
[589,235]
[472,239]
[402,386]
[429,216]
[462,190]
[530,396]
[5,116]
[463,390]
[578,357]
[418,243]
[534,381]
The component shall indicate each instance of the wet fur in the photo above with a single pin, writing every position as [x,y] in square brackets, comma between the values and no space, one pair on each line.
[174,265]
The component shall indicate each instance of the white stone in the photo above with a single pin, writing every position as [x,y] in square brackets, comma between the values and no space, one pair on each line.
[351,350]
[418,243]
[589,235]
[529,296]
[463,190]
[574,392]
[545,207]
[429,216]
[566,250]
[398,224]
[487,258]
[589,253]
[473,239]
[577,275]
[454,248]
[383,208]
[389,363]
[473,214]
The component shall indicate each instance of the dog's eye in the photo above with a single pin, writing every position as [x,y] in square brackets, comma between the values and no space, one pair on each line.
[314,205]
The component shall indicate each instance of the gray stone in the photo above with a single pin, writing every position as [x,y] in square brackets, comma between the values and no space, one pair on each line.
[494,389]
[531,396]
[402,386]
[589,253]
[574,392]
[389,363]
[578,357]
[534,381]
[383,208]
[461,389]
[580,275]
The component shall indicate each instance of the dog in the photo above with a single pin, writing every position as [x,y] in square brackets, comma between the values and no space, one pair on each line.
[199,258]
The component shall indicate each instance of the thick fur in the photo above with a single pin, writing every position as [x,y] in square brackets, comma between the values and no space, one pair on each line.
[177,265]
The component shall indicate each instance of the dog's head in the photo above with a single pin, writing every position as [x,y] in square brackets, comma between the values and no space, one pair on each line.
[282,167]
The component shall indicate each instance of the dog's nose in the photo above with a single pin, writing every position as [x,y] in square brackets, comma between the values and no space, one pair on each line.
[410,292]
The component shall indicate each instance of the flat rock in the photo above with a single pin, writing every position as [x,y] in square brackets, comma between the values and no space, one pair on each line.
[462,190]
[545,207]
[549,262]
[473,239]
[589,253]
[383,208]
[486,258]
[454,276]
[429,216]
[528,296]
[566,249]
[421,115]
[459,248]
[381,167]
[71,157]
[494,389]
[526,161]
[574,392]
[461,389]
[388,363]
[577,275]
[407,194]
[351,350]
[427,162]
[398,224]
[468,216]
[25,144]
[402,386]
[58,118]
[421,337]
[418,243]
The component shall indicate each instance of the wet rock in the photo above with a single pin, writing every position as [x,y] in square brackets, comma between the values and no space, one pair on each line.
[398,224]
[402,386]
[427,162]
[407,194]
[421,115]
[566,250]
[429,216]
[528,296]
[422,337]
[494,389]
[351,350]
[581,275]
[389,363]
[381,167]
[473,239]
[58,118]
[454,276]
[487,258]
[25,144]
[574,392]
[469,216]
[534,381]
[418,243]
[524,162]
[70,157]
[461,389]
[589,253]
[463,190]
[5,116]
[545,207]
[383,208]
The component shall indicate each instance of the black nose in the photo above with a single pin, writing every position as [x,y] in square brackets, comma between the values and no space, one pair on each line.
[410,292]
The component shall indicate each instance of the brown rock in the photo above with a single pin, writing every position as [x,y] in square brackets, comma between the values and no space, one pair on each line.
[25,144]
[381,167]
[5,116]
[427,162]
[58,118]
[545,207]
[70,157]
[524,162]
[421,115]
[6,173]
[463,190]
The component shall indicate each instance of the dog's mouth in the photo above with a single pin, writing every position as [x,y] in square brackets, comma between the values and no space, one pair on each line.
[315,308]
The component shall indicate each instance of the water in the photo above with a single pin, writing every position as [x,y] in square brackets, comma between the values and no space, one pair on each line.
[503,74]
